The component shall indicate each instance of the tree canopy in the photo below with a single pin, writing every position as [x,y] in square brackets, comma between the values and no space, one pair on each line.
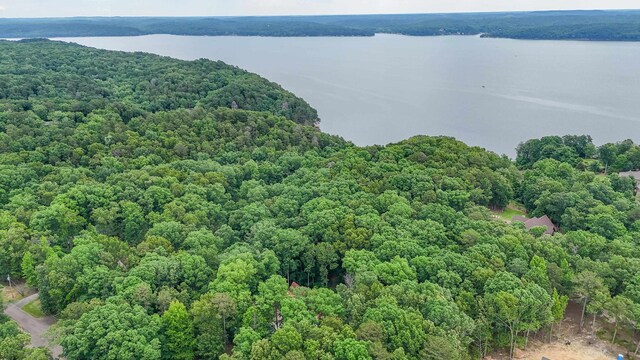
[195,229]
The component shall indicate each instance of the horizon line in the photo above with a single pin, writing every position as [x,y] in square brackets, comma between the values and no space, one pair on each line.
[315,15]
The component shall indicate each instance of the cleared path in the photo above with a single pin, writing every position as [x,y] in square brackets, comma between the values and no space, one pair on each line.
[35,327]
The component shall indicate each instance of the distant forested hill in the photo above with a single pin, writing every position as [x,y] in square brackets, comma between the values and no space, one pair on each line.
[582,25]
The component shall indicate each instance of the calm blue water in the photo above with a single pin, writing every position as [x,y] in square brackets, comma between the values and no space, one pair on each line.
[493,93]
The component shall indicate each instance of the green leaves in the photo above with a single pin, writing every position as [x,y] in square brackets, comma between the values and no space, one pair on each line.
[59,221]
[351,349]
[403,328]
[209,328]
[114,331]
[13,342]
[178,340]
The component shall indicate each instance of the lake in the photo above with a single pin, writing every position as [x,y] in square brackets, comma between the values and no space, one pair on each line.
[492,93]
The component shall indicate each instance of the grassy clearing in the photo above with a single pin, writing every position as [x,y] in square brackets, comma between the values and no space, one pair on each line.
[16,292]
[9,294]
[34,309]
[513,209]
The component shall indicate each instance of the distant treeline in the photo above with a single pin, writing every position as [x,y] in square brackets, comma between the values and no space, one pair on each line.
[578,25]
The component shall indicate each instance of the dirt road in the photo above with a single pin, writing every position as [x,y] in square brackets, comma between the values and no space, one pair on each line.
[35,327]
[575,351]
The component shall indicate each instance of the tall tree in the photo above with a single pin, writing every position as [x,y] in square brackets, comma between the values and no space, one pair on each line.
[585,285]
[210,337]
[619,312]
[558,308]
[113,331]
[178,339]
[226,307]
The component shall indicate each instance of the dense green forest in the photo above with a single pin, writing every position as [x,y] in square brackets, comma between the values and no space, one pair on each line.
[47,77]
[572,25]
[188,210]
[580,152]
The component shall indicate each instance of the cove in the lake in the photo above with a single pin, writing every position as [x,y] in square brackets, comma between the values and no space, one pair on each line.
[492,93]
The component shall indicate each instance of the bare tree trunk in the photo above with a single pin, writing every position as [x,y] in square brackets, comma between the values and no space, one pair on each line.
[276,317]
[484,351]
[593,325]
[511,345]
[635,353]
[551,333]
[526,340]
[224,328]
[512,348]
[584,308]
[615,332]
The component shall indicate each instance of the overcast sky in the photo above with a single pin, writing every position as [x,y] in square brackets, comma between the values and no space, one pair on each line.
[57,8]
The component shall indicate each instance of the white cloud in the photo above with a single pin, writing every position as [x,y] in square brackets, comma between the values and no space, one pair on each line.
[53,8]
[313,7]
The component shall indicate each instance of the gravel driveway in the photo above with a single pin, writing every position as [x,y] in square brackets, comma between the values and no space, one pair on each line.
[35,327]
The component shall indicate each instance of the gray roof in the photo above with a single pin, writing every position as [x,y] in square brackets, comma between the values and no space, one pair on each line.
[519,218]
[634,174]
[541,221]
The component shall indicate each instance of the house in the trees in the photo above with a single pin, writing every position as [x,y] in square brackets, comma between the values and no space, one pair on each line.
[534,222]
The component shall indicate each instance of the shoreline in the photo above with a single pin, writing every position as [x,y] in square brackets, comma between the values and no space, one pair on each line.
[478,35]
